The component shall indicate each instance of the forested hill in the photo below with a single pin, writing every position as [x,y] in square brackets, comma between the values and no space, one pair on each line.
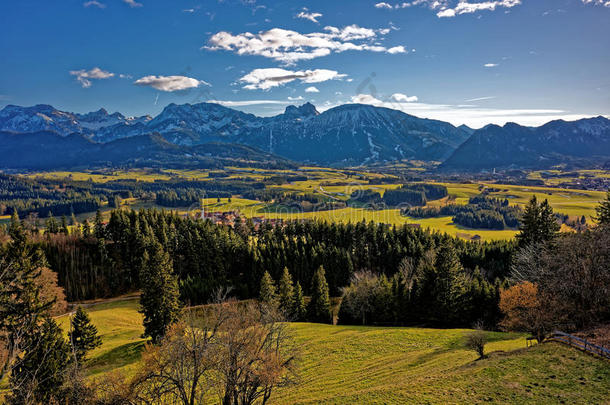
[586,140]
[49,150]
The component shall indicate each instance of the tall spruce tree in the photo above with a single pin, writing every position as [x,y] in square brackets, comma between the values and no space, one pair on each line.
[603,211]
[450,285]
[37,375]
[286,292]
[267,293]
[160,299]
[83,335]
[318,309]
[538,224]
[299,311]
[20,304]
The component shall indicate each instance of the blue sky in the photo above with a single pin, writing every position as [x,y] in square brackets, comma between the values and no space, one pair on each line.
[463,61]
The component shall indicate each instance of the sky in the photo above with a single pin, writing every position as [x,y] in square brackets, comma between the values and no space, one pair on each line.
[467,62]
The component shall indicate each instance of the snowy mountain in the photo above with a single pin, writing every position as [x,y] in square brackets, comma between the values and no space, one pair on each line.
[352,133]
[44,117]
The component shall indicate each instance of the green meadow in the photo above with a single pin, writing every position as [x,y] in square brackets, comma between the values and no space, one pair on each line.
[393,365]
[339,184]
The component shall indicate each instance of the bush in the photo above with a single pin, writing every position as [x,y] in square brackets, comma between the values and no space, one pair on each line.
[476,341]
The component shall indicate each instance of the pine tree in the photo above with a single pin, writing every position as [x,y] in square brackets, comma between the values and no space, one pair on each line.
[318,309]
[20,304]
[36,376]
[450,284]
[99,231]
[64,225]
[538,224]
[603,211]
[83,335]
[267,293]
[86,229]
[159,301]
[51,224]
[299,311]
[286,293]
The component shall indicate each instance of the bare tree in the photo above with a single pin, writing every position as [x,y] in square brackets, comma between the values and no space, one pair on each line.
[235,350]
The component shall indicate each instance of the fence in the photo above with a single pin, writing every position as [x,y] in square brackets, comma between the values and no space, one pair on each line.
[580,343]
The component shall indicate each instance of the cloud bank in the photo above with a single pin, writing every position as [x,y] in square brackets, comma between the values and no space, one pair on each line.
[289,46]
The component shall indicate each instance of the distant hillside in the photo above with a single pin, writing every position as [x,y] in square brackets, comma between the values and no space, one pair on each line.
[524,147]
[49,150]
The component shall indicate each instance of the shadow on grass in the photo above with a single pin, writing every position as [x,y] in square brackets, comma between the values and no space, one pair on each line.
[118,357]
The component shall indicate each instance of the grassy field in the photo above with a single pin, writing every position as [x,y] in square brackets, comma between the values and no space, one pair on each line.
[340,184]
[384,365]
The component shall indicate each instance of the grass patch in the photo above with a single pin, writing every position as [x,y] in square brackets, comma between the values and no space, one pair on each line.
[387,365]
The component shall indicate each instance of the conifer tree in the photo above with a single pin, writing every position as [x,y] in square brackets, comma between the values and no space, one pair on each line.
[86,228]
[20,304]
[98,227]
[603,211]
[318,309]
[160,299]
[83,335]
[299,311]
[538,224]
[267,293]
[64,225]
[450,284]
[285,292]
[36,376]
[51,224]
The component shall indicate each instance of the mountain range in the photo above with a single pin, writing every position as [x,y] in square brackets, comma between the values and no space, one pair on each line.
[350,134]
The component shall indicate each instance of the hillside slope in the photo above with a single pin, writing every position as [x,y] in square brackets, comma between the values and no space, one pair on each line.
[391,365]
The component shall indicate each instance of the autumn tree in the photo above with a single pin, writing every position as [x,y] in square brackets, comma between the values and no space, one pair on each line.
[160,299]
[83,335]
[319,309]
[524,310]
[237,351]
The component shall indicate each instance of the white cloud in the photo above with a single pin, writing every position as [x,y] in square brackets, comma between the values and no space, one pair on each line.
[84,77]
[464,7]
[94,3]
[290,46]
[265,79]
[605,3]
[383,5]
[299,98]
[403,98]
[312,89]
[451,8]
[170,83]
[397,49]
[490,65]
[471,115]
[132,3]
[313,17]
